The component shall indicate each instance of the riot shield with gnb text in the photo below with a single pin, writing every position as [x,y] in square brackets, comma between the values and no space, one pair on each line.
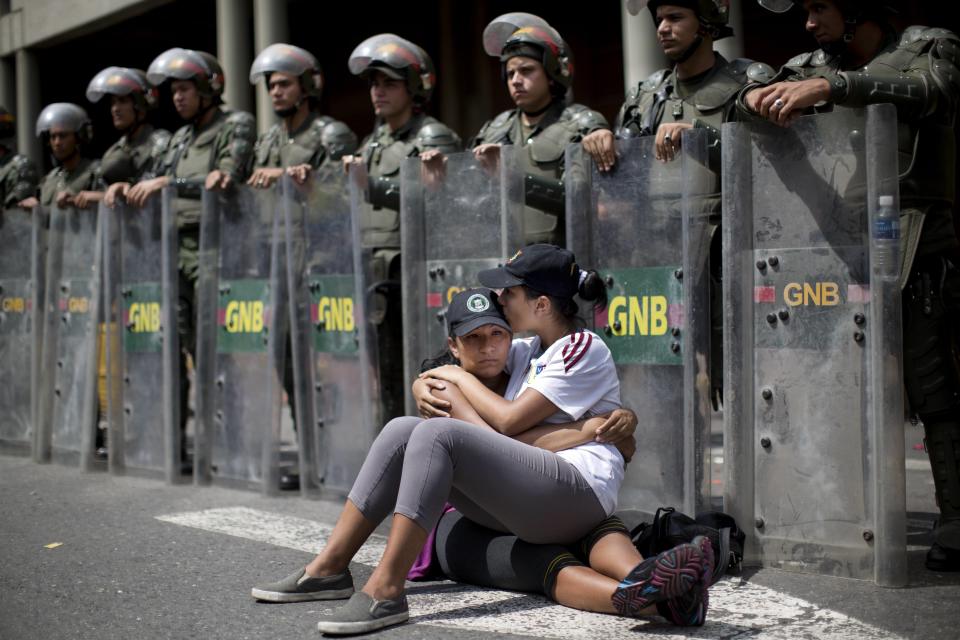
[644,227]
[334,340]
[456,221]
[813,406]
[241,324]
[21,332]
[68,405]
[140,244]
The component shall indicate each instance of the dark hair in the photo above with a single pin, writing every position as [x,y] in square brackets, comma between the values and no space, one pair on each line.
[592,289]
[442,358]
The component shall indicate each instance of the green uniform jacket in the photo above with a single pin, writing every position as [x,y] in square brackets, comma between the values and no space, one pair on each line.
[705,101]
[543,161]
[84,177]
[319,140]
[383,151]
[134,159]
[919,72]
[225,143]
[18,178]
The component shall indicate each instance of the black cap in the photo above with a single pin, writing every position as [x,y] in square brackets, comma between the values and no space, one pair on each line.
[545,268]
[474,308]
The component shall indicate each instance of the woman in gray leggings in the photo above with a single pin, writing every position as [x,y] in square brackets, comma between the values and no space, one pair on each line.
[415,466]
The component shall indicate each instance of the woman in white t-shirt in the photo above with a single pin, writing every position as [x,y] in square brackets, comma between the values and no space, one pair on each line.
[496,481]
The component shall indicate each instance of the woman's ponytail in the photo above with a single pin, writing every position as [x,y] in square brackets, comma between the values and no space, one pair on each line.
[593,288]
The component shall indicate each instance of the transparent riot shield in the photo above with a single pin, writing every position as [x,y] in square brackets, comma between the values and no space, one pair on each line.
[813,404]
[645,228]
[21,332]
[454,223]
[68,406]
[241,324]
[333,341]
[141,345]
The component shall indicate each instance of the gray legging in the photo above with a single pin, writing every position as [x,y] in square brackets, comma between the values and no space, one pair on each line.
[416,465]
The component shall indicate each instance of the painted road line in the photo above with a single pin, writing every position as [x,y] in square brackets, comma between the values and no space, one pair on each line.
[737,608]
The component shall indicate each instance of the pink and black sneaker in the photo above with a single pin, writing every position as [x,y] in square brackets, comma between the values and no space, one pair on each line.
[690,609]
[671,574]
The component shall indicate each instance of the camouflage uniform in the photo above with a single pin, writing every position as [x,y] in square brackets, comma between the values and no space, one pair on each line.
[319,141]
[544,145]
[84,177]
[18,178]
[919,72]
[137,158]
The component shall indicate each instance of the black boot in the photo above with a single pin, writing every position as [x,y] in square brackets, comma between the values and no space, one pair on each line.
[943,446]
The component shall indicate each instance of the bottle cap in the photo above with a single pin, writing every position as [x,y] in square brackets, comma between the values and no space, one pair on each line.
[886,201]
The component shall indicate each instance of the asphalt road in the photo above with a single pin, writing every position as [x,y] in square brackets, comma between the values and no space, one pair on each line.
[96,556]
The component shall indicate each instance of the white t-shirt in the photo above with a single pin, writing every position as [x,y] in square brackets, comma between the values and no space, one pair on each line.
[577,374]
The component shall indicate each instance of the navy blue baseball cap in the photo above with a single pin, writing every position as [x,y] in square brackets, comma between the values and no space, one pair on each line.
[474,308]
[545,268]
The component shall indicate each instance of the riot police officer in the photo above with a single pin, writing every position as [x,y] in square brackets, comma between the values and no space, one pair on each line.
[18,174]
[214,150]
[65,128]
[698,92]
[138,152]
[402,78]
[861,61]
[537,67]
[304,139]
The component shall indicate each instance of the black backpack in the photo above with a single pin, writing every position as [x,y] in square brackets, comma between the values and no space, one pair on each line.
[670,528]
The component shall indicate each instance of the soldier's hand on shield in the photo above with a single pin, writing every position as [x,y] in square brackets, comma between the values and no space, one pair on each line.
[619,424]
[433,168]
[349,160]
[299,172]
[265,177]
[28,203]
[783,102]
[86,198]
[64,199]
[137,194]
[115,192]
[217,179]
[488,155]
[668,140]
[600,145]
[428,405]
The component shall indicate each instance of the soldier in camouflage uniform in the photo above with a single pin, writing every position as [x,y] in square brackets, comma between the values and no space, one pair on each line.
[18,174]
[214,150]
[537,67]
[699,92]
[402,78]
[138,152]
[65,127]
[304,140]
[861,61]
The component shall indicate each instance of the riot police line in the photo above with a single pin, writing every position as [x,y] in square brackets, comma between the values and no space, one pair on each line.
[313,281]
[294,252]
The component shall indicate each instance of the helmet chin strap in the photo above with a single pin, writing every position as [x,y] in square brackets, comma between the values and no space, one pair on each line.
[202,112]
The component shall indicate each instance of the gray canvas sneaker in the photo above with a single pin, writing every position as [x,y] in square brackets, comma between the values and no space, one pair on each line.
[361,614]
[300,587]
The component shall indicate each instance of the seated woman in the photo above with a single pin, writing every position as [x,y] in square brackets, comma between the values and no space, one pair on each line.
[414,466]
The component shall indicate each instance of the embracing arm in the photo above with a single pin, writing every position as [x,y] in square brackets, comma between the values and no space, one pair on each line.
[508,417]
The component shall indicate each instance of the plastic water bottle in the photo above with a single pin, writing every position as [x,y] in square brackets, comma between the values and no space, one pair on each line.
[886,239]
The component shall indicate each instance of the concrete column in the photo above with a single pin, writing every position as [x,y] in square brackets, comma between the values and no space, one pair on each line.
[8,86]
[641,53]
[732,47]
[235,51]
[28,105]
[269,26]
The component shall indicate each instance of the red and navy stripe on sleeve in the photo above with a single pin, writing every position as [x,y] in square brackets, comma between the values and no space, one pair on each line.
[576,347]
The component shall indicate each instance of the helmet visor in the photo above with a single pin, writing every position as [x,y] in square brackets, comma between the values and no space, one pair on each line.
[284,58]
